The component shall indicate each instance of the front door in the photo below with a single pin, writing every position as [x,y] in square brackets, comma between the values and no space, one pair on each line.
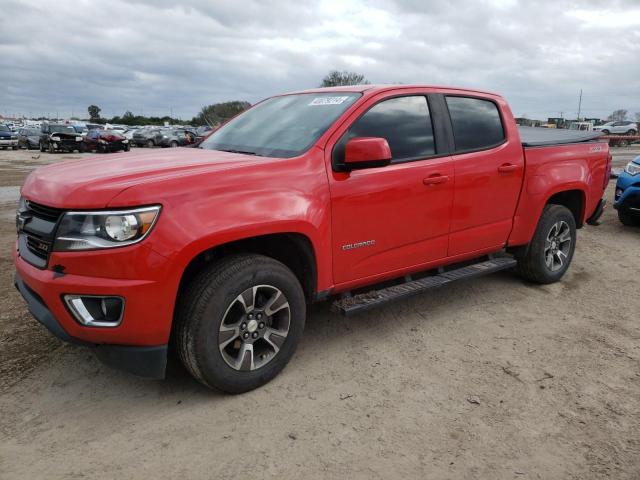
[392,218]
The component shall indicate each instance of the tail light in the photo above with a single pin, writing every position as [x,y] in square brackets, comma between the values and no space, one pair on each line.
[607,173]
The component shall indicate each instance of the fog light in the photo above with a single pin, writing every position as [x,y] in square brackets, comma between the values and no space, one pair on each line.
[96,311]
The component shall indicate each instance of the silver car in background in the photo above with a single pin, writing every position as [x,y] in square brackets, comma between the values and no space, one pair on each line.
[623,127]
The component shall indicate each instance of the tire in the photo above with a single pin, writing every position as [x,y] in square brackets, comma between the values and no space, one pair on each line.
[606,132]
[174,144]
[549,243]
[51,148]
[631,132]
[209,313]
[127,147]
[14,148]
[150,144]
[42,147]
[628,219]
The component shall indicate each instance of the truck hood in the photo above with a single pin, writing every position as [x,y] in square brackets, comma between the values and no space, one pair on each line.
[92,182]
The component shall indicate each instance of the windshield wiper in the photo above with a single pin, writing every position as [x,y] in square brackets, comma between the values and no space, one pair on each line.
[244,152]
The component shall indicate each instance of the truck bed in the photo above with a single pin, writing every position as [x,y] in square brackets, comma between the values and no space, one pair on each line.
[543,137]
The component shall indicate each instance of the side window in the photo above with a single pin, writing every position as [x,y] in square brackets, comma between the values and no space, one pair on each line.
[404,122]
[476,123]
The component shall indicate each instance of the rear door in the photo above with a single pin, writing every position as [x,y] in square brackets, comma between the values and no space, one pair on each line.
[393,218]
[489,167]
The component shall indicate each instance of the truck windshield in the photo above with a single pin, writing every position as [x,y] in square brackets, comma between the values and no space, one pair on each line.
[283,126]
[61,129]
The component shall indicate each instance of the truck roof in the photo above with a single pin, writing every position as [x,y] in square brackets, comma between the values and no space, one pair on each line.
[371,89]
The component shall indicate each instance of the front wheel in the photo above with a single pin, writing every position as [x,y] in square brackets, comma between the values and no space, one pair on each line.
[631,132]
[628,219]
[151,144]
[551,250]
[239,322]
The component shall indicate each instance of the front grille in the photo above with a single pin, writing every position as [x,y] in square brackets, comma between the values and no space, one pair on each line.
[38,246]
[46,213]
[36,232]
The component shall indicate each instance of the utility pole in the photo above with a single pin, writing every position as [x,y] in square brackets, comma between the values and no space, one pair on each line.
[580,105]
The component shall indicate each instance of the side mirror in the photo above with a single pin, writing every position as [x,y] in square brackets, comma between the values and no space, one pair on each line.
[367,152]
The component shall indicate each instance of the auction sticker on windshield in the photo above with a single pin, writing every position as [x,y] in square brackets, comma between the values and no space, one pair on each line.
[328,100]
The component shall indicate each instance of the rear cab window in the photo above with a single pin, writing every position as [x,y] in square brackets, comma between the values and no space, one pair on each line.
[476,123]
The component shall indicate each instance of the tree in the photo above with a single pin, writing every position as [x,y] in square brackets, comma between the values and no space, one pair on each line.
[618,115]
[218,113]
[336,78]
[94,112]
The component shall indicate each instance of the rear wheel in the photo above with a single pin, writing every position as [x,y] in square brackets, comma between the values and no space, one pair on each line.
[173,144]
[628,219]
[631,132]
[150,143]
[239,322]
[606,132]
[551,250]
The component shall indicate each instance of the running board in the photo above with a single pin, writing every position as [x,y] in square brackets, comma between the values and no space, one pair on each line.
[350,305]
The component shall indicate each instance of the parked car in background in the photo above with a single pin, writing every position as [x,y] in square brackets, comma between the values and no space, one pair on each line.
[28,138]
[177,138]
[103,141]
[627,196]
[147,137]
[618,128]
[58,137]
[8,139]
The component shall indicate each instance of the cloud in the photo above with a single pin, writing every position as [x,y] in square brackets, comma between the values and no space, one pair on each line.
[157,56]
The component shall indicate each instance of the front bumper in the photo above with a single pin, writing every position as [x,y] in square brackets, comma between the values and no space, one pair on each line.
[66,145]
[8,142]
[146,280]
[115,146]
[144,361]
[627,194]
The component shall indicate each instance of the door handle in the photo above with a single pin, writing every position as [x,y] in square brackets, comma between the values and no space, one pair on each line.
[435,179]
[508,167]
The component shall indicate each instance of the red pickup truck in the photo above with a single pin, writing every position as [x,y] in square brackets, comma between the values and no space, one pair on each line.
[364,194]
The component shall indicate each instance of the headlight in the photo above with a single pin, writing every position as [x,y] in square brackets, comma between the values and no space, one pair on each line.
[104,229]
[164,136]
[632,168]
[55,139]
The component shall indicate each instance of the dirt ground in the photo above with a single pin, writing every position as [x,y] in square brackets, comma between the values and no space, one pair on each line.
[486,379]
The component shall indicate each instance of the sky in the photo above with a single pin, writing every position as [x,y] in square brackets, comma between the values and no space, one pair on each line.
[157,57]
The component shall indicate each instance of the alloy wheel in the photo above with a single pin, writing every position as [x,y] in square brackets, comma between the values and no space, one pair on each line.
[557,246]
[254,327]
